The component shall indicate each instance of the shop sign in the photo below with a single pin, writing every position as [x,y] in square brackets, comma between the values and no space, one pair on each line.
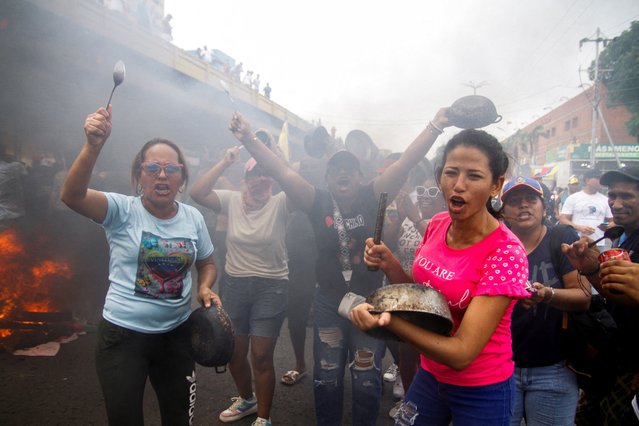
[604,151]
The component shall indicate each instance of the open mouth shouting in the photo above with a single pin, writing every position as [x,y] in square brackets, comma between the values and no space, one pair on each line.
[162,189]
[456,204]
[343,182]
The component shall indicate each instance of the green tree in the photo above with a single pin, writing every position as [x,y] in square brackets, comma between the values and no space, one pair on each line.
[619,71]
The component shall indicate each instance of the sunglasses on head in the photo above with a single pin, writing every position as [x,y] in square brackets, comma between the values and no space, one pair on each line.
[431,192]
[155,168]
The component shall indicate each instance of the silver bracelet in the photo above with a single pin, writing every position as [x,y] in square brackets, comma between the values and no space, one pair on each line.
[552,295]
[435,127]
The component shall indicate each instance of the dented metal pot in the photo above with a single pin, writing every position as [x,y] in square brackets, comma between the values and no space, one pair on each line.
[418,304]
[473,112]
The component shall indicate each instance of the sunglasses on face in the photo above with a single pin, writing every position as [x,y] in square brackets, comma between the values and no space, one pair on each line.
[431,192]
[154,169]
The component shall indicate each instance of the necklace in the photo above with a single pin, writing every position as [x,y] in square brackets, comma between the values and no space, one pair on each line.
[540,236]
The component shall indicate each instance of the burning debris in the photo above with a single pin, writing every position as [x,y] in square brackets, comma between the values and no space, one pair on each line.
[33,305]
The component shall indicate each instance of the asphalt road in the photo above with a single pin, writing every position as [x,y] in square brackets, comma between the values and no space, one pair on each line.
[63,390]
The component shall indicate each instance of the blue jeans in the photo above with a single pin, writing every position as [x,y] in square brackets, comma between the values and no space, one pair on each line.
[335,340]
[545,395]
[429,402]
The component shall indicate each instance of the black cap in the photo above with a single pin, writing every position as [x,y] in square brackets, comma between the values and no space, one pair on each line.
[343,158]
[627,174]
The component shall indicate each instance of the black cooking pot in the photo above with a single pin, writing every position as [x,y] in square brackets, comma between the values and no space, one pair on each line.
[473,112]
[415,303]
[211,336]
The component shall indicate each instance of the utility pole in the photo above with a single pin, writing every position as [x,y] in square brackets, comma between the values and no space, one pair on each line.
[596,97]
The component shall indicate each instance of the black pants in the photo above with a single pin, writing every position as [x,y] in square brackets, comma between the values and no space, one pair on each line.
[124,361]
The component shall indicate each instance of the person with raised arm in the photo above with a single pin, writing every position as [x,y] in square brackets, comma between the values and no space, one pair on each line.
[254,286]
[343,217]
[480,266]
[153,241]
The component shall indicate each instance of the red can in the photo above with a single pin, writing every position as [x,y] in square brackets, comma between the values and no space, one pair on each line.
[614,254]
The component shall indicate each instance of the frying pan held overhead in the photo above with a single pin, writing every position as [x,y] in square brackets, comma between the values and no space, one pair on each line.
[212,339]
[415,303]
[473,112]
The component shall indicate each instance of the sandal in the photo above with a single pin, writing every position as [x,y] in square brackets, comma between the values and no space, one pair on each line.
[292,377]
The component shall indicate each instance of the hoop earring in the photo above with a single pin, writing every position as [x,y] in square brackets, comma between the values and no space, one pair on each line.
[181,189]
[139,190]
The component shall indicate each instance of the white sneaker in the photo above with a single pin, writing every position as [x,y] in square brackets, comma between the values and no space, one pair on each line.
[240,408]
[398,388]
[391,373]
[261,422]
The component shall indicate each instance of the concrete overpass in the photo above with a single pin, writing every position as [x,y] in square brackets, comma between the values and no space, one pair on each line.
[56,67]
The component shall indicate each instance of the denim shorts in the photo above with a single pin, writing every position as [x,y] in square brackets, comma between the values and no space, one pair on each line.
[257,306]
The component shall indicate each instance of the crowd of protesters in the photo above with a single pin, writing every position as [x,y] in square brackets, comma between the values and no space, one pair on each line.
[278,239]
[320,197]
[320,213]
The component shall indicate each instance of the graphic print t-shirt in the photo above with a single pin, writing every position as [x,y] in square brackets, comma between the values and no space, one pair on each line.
[495,266]
[359,223]
[150,262]
[588,209]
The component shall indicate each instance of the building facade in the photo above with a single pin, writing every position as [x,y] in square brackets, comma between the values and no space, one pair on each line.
[559,143]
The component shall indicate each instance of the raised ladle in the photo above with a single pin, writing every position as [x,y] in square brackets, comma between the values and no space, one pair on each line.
[118,77]
[226,89]
[610,233]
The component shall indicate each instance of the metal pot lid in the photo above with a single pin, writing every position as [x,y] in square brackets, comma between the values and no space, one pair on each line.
[212,339]
[473,112]
[417,304]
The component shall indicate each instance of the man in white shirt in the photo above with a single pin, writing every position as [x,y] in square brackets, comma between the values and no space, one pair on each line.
[588,210]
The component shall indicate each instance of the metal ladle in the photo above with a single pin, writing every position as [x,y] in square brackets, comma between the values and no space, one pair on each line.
[610,233]
[118,77]
[227,89]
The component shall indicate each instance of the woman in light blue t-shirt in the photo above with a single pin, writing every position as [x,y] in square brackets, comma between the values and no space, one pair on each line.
[153,241]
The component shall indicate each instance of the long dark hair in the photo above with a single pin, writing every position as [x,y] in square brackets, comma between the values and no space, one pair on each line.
[498,161]
[136,167]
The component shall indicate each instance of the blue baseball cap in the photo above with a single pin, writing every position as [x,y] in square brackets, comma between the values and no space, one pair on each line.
[519,182]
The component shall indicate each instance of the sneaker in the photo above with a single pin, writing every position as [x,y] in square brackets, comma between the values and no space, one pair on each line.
[391,373]
[393,411]
[398,388]
[240,408]
[261,422]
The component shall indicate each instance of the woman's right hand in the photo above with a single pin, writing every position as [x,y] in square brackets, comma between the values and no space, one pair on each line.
[376,255]
[97,127]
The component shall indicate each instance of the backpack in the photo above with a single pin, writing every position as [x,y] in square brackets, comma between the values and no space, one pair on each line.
[590,337]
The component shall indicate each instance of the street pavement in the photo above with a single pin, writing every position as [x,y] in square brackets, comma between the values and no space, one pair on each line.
[63,390]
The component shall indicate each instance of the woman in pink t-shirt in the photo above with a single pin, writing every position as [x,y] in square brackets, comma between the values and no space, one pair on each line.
[481,268]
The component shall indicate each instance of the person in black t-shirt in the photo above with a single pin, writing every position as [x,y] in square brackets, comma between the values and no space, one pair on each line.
[342,218]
